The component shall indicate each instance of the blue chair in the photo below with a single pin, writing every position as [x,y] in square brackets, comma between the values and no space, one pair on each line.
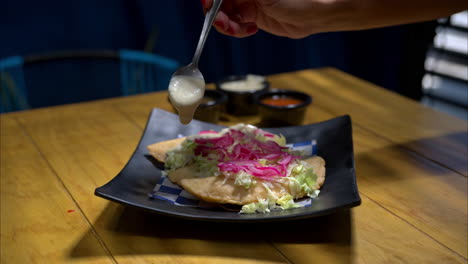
[13,92]
[74,76]
[144,72]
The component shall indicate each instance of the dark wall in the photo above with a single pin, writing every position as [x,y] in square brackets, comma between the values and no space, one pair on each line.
[390,57]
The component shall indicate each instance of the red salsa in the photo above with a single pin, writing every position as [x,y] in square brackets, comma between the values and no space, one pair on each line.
[281,101]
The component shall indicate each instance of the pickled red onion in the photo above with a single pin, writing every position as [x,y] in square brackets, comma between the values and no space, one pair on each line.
[207,132]
[236,151]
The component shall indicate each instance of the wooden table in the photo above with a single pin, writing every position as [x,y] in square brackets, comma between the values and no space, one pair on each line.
[411,168]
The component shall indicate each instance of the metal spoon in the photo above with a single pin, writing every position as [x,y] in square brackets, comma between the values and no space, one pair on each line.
[191,71]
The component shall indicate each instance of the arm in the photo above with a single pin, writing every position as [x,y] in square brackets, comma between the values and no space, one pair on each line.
[377,13]
[298,19]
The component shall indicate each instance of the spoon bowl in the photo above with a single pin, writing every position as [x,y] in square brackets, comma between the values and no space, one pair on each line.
[187,84]
[189,70]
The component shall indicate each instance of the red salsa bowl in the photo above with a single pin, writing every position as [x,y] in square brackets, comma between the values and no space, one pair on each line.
[282,107]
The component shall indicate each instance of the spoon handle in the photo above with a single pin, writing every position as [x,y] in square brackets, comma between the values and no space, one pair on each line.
[210,16]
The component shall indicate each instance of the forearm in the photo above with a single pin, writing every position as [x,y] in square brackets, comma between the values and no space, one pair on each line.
[380,13]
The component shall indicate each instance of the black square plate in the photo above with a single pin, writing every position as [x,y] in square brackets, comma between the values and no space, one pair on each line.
[334,141]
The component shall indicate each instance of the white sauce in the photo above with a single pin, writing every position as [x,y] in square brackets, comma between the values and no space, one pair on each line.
[250,83]
[185,93]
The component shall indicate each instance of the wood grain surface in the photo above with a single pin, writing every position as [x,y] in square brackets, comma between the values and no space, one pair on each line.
[40,222]
[411,164]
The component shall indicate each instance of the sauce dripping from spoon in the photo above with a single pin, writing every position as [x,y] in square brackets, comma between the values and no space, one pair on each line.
[187,84]
[186,93]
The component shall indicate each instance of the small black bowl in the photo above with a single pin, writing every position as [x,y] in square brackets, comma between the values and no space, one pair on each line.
[241,103]
[282,115]
[213,104]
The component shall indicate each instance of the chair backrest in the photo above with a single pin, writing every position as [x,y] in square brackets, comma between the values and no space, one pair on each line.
[142,72]
[74,76]
[13,94]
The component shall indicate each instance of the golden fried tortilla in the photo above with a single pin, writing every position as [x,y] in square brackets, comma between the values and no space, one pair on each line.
[159,150]
[218,189]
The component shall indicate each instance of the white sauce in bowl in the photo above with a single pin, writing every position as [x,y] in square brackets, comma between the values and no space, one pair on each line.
[250,83]
[185,93]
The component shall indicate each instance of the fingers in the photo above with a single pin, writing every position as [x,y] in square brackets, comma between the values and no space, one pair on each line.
[241,30]
[221,22]
[206,4]
[233,28]
[235,18]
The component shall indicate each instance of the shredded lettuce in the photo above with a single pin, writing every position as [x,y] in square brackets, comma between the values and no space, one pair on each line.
[266,205]
[245,179]
[184,155]
[302,180]
[287,202]
[297,169]
[280,140]
[261,207]
[307,180]
[188,145]
[314,194]
[294,186]
[205,167]
[179,157]
[271,197]
[260,137]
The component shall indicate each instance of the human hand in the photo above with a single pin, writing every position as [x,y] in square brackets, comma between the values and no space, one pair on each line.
[301,18]
[289,18]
